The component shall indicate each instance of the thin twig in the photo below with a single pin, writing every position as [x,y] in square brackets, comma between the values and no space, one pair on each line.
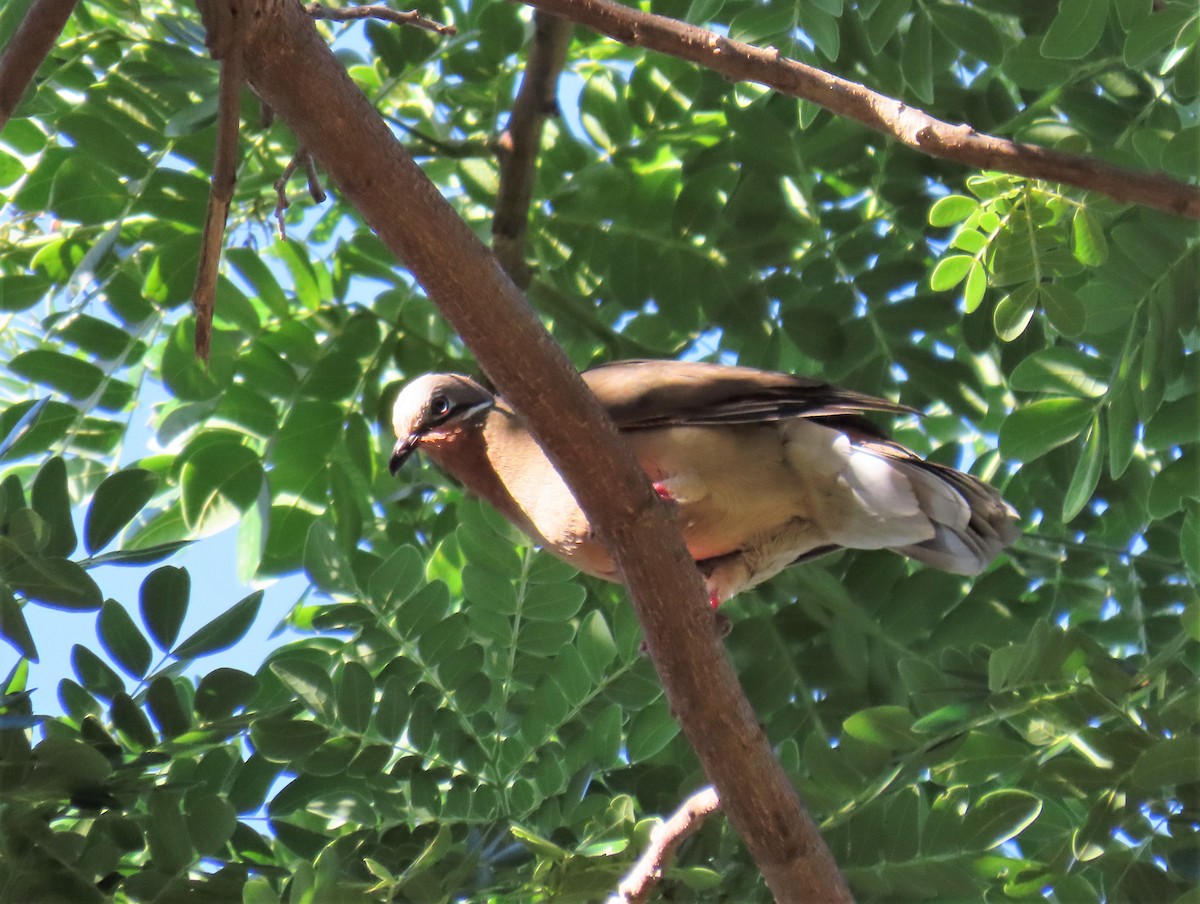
[302,158]
[520,141]
[412,17]
[451,150]
[664,842]
[909,125]
[224,40]
[31,43]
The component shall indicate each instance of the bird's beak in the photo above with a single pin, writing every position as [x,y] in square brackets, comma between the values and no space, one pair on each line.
[400,453]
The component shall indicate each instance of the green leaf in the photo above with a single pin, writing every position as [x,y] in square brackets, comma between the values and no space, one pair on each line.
[1122,423]
[95,674]
[885,21]
[283,740]
[355,697]
[1087,473]
[309,681]
[1062,369]
[20,292]
[51,499]
[489,591]
[219,481]
[821,26]
[53,582]
[699,878]
[31,427]
[1177,481]
[74,378]
[1076,29]
[150,555]
[167,832]
[1089,244]
[129,720]
[1155,33]
[950,271]
[916,63]
[597,648]
[1170,762]
[222,692]
[85,191]
[14,628]
[223,631]
[210,822]
[998,817]
[553,602]
[952,209]
[887,726]
[969,29]
[1034,429]
[394,707]
[115,503]
[1189,540]
[259,891]
[1176,423]
[1066,312]
[756,25]
[123,641]
[163,602]
[975,288]
[396,580]
[305,442]
[166,708]
[325,562]
[1014,311]
[649,732]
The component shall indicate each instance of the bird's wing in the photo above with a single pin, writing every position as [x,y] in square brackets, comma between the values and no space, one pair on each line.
[646,394]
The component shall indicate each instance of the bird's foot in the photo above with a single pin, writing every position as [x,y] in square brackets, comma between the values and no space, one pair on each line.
[723,623]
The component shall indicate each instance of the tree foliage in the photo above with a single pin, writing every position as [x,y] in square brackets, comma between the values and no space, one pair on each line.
[463,717]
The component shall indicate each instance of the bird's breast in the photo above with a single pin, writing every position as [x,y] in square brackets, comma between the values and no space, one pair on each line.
[736,486]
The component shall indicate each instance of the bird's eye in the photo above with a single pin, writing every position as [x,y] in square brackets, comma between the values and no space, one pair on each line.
[439,406]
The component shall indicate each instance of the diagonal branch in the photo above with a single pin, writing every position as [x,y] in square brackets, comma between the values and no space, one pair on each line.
[665,840]
[519,142]
[915,128]
[292,69]
[30,44]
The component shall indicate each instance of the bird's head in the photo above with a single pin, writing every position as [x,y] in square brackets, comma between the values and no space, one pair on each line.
[432,408]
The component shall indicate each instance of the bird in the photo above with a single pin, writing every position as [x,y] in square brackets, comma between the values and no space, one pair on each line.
[764,470]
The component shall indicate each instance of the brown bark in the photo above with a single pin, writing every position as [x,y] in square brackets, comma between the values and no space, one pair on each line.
[222,19]
[31,43]
[297,75]
[915,128]
[519,142]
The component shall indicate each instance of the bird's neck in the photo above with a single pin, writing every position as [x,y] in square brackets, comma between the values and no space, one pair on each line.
[464,455]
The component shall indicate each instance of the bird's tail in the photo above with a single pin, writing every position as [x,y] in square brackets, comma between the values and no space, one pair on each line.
[972,523]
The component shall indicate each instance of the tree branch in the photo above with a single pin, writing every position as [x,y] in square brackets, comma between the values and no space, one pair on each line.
[222,20]
[519,142]
[915,128]
[31,43]
[293,70]
[412,17]
[665,840]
